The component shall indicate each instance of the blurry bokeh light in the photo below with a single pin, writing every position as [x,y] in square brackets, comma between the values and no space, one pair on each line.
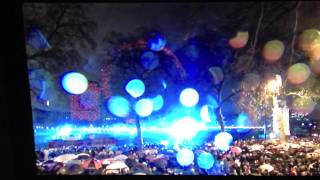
[185,157]
[144,107]
[157,102]
[118,106]
[135,88]
[223,141]
[273,51]
[205,160]
[189,97]
[74,83]
[240,40]
[298,73]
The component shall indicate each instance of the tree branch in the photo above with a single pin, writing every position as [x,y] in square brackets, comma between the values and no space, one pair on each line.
[294,34]
[253,47]
[230,96]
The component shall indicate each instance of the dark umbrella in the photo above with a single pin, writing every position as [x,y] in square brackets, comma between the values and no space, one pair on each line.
[71,169]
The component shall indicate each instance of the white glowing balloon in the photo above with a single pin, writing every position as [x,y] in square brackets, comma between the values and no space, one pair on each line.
[74,83]
[189,97]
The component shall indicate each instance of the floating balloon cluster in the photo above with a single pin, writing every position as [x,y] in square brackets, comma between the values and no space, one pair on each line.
[120,106]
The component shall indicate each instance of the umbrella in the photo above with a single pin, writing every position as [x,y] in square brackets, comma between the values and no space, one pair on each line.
[267,167]
[139,173]
[65,158]
[91,164]
[49,165]
[116,167]
[106,161]
[236,150]
[120,157]
[75,161]
[71,169]
[83,156]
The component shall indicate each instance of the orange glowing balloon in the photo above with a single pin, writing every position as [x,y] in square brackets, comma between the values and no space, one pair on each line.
[308,38]
[298,73]
[314,52]
[273,51]
[315,66]
[240,40]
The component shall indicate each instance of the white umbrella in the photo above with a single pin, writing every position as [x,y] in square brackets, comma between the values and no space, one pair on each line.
[267,167]
[83,156]
[65,158]
[75,161]
[139,173]
[117,165]
[106,162]
[120,157]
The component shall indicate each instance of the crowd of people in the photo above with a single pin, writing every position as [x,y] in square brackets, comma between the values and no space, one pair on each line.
[296,157]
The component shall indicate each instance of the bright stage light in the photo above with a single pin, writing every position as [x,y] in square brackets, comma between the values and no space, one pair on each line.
[184,129]
[144,107]
[157,102]
[185,157]
[189,97]
[204,114]
[65,131]
[135,88]
[205,160]
[74,83]
[242,121]
[223,140]
[118,106]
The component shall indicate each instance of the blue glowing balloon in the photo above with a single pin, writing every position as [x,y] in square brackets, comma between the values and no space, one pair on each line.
[74,83]
[157,102]
[205,160]
[118,106]
[185,157]
[149,60]
[144,107]
[135,88]
[189,97]
[204,114]
[223,141]
[156,42]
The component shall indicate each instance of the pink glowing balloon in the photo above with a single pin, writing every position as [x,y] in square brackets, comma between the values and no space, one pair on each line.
[240,40]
